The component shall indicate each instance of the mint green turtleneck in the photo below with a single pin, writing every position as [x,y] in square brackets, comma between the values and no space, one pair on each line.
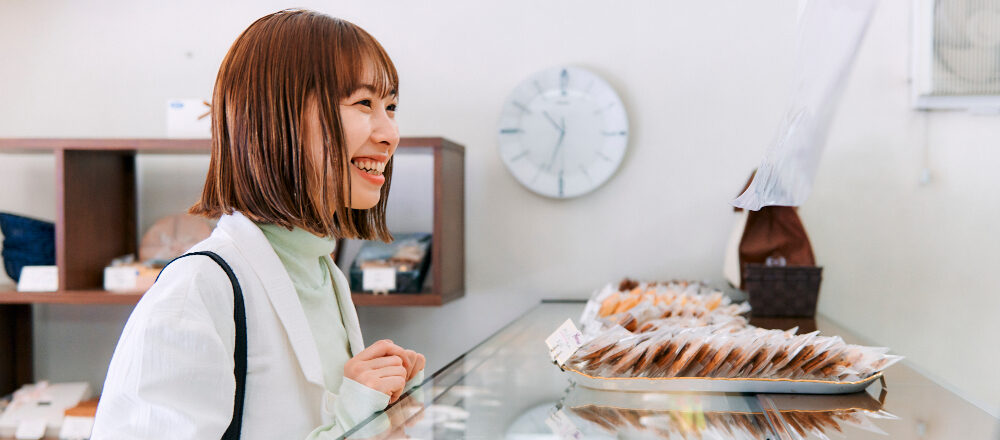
[304,257]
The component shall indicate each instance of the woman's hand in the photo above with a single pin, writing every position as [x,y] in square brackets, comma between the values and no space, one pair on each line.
[381,368]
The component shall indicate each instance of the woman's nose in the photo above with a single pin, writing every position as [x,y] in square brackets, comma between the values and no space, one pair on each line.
[384,129]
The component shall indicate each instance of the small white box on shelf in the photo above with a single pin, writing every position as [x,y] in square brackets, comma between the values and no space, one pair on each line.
[38,279]
[189,119]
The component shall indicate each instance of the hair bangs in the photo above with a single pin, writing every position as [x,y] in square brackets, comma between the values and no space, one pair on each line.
[365,63]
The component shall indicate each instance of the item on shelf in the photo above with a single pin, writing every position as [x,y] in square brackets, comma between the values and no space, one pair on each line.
[408,257]
[686,330]
[42,401]
[171,236]
[125,275]
[38,279]
[26,242]
[79,421]
[189,118]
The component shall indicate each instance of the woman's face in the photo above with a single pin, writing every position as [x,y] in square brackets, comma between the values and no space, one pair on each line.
[371,136]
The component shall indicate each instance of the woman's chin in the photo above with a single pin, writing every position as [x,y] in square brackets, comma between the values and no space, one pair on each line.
[363,202]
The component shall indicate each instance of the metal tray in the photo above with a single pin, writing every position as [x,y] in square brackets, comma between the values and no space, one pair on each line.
[718,384]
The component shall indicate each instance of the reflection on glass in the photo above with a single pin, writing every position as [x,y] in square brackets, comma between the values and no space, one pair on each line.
[720,416]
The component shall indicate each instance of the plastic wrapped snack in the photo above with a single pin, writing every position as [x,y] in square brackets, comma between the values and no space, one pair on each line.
[686,330]
[720,351]
[633,305]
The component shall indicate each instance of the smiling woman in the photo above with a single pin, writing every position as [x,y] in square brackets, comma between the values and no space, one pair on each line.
[303,135]
[277,66]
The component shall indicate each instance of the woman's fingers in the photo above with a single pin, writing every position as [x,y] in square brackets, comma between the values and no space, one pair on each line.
[379,349]
[396,370]
[410,361]
[390,385]
[382,362]
[421,363]
[394,386]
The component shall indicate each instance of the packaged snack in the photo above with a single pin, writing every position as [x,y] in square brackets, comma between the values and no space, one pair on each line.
[687,331]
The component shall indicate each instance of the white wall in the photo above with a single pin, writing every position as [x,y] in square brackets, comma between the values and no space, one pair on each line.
[704,84]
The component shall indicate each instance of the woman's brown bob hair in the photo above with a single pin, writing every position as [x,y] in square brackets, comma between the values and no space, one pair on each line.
[259,165]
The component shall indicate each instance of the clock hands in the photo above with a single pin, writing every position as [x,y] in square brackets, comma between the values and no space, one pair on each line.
[561,126]
[562,133]
[553,121]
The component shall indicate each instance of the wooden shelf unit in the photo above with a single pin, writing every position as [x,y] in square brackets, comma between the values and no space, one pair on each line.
[96,218]
[96,221]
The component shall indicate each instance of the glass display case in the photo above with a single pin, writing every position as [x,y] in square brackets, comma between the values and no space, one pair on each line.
[508,387]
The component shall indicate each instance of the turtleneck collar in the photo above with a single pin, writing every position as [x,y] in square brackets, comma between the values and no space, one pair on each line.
[301,252]
[298,241]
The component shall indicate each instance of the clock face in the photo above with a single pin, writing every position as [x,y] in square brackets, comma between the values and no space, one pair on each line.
[563,132]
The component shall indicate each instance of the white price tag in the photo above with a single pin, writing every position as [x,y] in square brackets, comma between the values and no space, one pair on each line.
[118,279]
[30,429]
[379,279]
[563,427]
[564,342]
[76,428]
[38,279]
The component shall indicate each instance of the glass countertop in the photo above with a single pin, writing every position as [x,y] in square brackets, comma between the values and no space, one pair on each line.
[507,387]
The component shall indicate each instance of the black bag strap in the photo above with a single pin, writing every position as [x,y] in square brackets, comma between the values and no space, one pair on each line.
[240,354]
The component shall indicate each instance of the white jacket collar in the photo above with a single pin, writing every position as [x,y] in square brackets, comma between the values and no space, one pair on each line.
[250,241]
[347,311]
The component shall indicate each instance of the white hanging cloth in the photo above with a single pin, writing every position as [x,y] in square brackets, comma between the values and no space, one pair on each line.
[829,35]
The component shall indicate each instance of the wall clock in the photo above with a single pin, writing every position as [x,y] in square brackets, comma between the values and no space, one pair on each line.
[563,132]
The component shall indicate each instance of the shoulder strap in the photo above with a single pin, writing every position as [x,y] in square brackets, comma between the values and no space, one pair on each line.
[240,354]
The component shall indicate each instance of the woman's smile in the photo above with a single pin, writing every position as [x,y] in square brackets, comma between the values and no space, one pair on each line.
[370,168]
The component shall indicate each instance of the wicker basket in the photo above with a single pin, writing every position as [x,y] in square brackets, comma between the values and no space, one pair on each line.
[782,291]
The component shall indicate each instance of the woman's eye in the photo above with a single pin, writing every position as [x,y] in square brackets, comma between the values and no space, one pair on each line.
[391,108]
[365,102]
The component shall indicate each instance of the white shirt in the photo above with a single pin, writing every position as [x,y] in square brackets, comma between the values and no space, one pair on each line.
[171,376]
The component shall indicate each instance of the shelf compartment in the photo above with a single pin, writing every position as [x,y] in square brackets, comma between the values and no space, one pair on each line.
[96,214]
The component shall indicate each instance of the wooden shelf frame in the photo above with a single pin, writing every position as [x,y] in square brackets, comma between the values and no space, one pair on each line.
[96,193]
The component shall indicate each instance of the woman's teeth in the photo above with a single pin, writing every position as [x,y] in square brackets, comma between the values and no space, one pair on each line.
[370,166]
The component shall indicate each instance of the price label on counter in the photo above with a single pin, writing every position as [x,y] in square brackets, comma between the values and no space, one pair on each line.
[564,342]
